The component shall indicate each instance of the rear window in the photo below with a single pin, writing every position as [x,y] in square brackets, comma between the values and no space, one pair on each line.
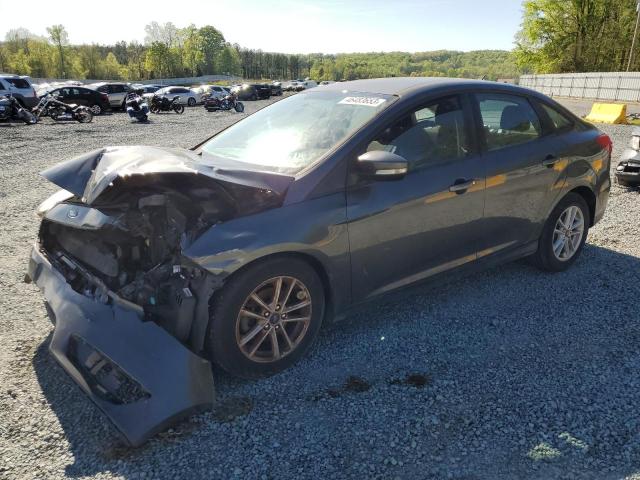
[560,121]
[18,82]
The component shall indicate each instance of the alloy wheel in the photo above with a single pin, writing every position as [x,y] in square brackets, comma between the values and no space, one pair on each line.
[274,319]
[568,233]
[96,109]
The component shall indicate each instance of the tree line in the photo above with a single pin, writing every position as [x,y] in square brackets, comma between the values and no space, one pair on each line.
[556,36]
[170,52]
[560,36]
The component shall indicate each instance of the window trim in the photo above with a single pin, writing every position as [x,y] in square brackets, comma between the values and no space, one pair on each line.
[479,124]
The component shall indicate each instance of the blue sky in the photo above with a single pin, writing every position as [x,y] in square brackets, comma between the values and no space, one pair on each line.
[291,26]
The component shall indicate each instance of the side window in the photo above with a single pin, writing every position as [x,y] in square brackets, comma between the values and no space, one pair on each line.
[560,121]
[431,135]
[18,82]
[508,120]
[116,89]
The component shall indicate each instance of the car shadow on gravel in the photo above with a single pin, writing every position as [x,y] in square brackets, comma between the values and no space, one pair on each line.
[531,375]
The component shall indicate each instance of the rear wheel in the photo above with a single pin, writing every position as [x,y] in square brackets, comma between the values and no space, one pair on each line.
[191,102]
[266,318]
[179,109]
[84,116]
[96,109]
[564,234]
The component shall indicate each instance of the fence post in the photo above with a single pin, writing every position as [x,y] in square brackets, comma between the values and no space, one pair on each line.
[599,87]
[573,78]
[618,88]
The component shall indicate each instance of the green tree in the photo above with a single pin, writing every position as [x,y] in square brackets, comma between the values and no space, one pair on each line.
[575,35]
[60,39]
[212,43]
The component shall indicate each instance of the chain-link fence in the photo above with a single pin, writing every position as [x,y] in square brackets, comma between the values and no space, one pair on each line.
[616,86]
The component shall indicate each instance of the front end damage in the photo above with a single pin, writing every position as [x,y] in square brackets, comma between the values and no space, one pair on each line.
[628,169]
[131,312]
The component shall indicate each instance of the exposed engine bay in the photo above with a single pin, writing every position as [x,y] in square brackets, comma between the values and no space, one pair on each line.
[129,240]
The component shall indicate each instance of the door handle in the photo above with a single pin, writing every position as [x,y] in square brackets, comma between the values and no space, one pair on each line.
[461,186]
[549,161]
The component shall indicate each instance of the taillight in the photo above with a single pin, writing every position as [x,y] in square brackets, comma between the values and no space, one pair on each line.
[605,142]
[105,97]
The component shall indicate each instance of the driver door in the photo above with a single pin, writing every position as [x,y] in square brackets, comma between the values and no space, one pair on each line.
[427,222]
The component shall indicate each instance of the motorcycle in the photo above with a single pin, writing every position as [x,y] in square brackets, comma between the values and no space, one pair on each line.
[137,107]
[10,108]
[57,110]
[228,102]
[163,104]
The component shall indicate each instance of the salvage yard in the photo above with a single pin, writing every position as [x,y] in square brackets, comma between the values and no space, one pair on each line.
[508,373]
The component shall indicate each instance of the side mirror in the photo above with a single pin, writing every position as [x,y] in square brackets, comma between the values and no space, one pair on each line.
[382,165]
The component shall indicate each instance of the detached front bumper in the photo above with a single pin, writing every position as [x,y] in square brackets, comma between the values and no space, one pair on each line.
[140,376]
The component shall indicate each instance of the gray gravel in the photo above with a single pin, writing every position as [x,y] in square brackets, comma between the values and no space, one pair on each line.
[510,373]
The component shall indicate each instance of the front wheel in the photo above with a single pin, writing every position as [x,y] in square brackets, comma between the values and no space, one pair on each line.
[191,102]
[564,234]
[179,109]
[96,109]
[266,317]
[239,107]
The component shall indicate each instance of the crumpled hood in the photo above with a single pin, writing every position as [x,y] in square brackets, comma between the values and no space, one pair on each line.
[90,174]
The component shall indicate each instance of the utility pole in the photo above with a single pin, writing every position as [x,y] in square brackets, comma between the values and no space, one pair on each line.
[635,35]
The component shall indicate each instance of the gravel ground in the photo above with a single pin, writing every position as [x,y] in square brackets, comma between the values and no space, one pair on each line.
[509,373]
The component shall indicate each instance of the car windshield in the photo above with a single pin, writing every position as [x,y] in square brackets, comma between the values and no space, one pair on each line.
[292,134]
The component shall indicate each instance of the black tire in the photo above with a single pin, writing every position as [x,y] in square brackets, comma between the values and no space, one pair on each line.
[154,109]
[239,107]
[222,346]
[84,116]
[544,258]
[96,109]
[191,102]
[179,109]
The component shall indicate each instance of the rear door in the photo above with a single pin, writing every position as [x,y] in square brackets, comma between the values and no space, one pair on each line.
[401,231]
[525,170]
[117,93]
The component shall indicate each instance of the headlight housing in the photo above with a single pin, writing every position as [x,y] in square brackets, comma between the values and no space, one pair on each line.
[58,197]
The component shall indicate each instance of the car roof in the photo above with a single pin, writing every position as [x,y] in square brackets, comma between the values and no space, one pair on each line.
[401,86]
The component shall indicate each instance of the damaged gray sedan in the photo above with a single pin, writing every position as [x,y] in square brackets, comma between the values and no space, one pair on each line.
[156,263]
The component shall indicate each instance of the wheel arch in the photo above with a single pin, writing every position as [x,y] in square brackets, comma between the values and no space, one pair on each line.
[315,263]
[589,197]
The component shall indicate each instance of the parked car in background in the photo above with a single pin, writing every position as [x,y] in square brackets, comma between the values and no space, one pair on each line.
[149,88]
[187,96]
[213,91]
[276,88]
[309,84]
[20,88]
[252,91]
[98,102]
[291,86]
[117,92]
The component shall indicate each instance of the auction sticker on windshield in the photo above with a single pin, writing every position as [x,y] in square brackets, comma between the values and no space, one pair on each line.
[367,101]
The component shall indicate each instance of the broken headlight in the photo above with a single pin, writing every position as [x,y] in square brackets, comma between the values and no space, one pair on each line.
[58,197]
